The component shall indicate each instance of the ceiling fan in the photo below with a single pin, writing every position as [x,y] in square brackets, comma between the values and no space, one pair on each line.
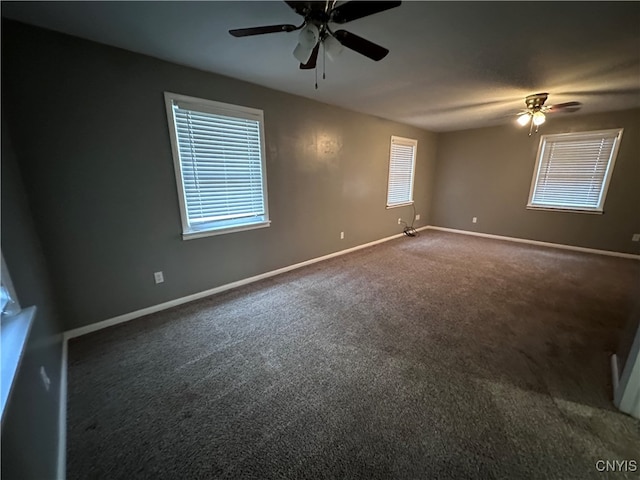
[315,30]
[536,110]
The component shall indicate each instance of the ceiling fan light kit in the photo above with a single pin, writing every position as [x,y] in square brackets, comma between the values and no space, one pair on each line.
[309,35]
[307,40]
[523,119]
[332,47]
[538,118]
[315,30]
[536,110]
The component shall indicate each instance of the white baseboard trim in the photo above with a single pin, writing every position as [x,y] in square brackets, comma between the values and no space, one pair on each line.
[77,332]
[615,378]
[539,243]
[62,414]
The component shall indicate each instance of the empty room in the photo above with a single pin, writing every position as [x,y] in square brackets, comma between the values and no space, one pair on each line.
[320,240]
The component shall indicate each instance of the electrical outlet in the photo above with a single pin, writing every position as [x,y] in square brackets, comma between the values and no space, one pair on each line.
[341,235]
[399,221]
[159,277]
[45,378]
[418,216]
[636,237]
[474,219]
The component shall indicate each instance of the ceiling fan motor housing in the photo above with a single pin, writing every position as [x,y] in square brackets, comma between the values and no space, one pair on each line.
[536,101]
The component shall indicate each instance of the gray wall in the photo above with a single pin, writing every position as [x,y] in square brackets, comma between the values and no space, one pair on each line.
[90,129]
[30,424]
[487,172]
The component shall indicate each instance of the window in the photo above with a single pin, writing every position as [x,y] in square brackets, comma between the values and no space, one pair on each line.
[402,164]
[8,301]
[15,324]
[218,152]
[573,171]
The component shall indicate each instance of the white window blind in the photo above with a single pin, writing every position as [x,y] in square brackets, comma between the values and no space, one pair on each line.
[220,165]
[401,171]
[573,170]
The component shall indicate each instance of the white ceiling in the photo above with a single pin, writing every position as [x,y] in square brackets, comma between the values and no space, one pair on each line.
[452,65]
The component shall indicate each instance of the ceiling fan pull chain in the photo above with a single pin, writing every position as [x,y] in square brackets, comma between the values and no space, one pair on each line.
[324,61]
[316,70]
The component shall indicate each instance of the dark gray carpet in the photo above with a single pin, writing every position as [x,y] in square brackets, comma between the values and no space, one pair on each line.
[442,356]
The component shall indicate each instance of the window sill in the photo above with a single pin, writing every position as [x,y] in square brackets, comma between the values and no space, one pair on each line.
[190,235]
[15,331]
[396,205]
[565,210]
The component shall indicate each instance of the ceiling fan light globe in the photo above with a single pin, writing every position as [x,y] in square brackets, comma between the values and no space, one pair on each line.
[302,53]
[332,47]
[308,36]
[538,118]
[524,119]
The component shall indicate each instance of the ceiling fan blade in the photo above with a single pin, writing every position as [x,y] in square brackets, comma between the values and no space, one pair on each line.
[568,107]
[360,45]
[298,7]
[311,63]
[246,32]
[353,10]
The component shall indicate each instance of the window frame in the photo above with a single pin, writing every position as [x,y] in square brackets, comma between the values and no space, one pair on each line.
[616,133]
[224,109]
[407,142]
